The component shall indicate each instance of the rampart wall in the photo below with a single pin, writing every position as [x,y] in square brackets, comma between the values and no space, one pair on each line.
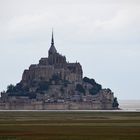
[54,106]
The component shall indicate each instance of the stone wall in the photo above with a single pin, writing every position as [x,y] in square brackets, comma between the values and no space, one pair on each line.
[54,106]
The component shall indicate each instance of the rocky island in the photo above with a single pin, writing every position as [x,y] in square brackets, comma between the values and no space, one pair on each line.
[55,84]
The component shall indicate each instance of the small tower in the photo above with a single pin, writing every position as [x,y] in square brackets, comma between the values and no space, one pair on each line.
[52,49]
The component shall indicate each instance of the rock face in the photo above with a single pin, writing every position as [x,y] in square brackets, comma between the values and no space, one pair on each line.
[56,84]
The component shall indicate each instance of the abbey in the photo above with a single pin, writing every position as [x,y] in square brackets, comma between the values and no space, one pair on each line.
[54,83]
[54,65]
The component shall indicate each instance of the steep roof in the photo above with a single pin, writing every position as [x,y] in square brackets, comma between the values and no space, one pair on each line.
[52,49]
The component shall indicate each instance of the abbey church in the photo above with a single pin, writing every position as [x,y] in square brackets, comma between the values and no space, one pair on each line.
[55,84]
[55,64]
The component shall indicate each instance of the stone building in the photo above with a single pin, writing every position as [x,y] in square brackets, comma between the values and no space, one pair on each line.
[55,64]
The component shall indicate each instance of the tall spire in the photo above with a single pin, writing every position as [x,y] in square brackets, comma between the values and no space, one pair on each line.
[52,49]
[52,43]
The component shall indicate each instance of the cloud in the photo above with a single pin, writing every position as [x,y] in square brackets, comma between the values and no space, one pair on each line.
[106,33]
[101,22]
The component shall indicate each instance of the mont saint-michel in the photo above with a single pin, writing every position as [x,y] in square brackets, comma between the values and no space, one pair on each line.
[55,84]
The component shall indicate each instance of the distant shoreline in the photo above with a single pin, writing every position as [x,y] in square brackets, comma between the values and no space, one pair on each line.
[129,104]
[121,110]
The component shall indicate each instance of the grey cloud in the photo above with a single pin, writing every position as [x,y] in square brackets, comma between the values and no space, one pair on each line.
[105,33]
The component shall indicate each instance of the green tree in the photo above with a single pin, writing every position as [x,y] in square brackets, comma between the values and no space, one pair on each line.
[115,103]
[80,88]
[11,88]
[43,86]
[92,82]
[32,95]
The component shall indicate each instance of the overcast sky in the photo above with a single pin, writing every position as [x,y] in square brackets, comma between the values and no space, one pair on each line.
[103,35]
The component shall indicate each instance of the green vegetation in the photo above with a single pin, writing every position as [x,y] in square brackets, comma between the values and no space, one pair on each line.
[45,125]
[11,88]
[43,86]
[56,78]
[16,90]
[96,87]
[115,103]
[92,82]
[80,88]
[65,82]
[94,90]
[32,95]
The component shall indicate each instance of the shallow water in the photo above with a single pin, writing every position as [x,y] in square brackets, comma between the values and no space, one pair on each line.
[129,105]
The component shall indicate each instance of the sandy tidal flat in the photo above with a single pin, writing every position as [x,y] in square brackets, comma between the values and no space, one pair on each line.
[30,125]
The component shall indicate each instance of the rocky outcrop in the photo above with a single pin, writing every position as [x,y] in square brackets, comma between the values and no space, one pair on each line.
[54,83]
